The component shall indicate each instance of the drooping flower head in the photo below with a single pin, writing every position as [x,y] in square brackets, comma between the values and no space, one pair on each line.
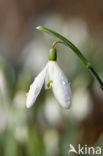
[54,79]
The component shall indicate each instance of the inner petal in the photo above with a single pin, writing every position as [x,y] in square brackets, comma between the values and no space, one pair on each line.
[49,75]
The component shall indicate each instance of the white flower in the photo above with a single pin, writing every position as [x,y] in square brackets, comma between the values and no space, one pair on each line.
[54,78]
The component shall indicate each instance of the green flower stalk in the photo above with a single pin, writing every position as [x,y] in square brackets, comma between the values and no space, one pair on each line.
[69,44]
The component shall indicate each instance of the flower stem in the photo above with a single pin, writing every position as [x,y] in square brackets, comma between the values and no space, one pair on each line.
[69,44]
[55,42]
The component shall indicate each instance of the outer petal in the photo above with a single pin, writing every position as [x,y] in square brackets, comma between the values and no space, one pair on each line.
[35,88]
[61,87]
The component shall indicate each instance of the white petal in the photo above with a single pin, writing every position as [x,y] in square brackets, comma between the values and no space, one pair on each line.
[35,88]
[48,76]
[47,79]
[61,87]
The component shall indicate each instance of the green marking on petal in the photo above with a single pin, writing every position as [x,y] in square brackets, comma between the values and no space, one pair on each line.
[49,84]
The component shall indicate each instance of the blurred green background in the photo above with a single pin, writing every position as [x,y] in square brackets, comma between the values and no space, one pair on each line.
[47,129]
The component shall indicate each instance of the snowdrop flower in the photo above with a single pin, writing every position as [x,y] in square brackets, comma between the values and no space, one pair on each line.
[54,78]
